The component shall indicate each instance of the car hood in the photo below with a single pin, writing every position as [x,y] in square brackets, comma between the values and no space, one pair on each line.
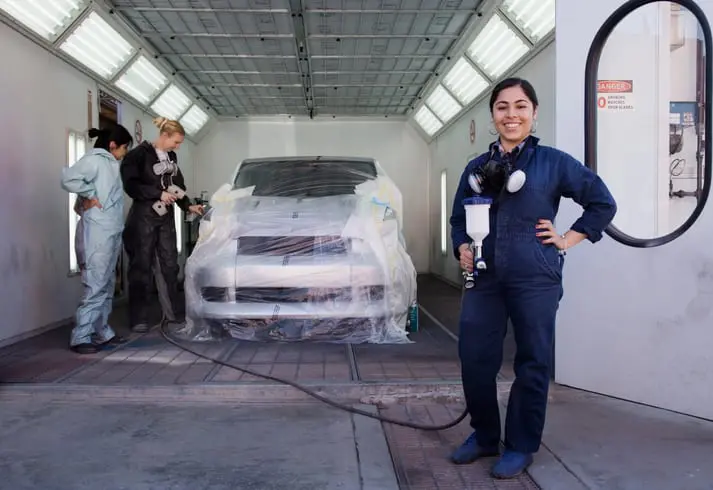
[287,216]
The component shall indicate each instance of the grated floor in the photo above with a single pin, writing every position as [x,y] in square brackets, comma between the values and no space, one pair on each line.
[149,360]
[421,458]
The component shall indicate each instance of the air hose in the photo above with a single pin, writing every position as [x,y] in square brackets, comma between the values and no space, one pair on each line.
[312,393]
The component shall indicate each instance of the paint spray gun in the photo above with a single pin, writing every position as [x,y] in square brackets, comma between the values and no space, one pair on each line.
[477,226]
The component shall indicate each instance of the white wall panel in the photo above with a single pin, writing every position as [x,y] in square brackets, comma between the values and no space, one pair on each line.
[634,323]
[41,99]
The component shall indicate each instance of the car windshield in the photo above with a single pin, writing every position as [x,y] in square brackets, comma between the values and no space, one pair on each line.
[304,178]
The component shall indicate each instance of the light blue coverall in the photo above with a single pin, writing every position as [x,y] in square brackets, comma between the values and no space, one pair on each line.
[96,175]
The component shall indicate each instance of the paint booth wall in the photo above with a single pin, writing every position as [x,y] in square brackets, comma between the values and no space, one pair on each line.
[635,323]
[452,149]
[394,143]
[42,98]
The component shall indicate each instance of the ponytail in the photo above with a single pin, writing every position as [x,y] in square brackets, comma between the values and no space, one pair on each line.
[118,134]
[169,126]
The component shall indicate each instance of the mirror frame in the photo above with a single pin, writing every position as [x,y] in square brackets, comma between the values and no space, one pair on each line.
[590,113]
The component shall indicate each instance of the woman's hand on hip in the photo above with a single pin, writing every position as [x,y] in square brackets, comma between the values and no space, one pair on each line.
[466,257]
[549,234]
[88,204]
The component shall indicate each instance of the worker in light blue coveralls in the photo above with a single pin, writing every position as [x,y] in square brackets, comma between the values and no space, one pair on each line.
[524,257]
[96,180]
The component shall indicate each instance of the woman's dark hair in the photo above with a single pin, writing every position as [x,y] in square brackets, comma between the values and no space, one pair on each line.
[118,134]
[514,82]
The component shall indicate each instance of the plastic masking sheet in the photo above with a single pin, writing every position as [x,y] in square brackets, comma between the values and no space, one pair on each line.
[301,249]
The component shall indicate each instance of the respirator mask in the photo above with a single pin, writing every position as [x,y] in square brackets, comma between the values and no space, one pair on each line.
[494,175]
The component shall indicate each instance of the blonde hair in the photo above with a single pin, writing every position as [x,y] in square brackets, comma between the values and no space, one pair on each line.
[168,126]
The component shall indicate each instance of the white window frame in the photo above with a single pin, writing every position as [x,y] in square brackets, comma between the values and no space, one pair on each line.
[76,149]
[444,212]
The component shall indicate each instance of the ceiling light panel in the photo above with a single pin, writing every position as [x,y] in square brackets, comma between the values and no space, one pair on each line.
[427,120]
[465,82]
[96,45]
[194,120]
[172,103]
[443,104]
[496,48]
[536,18]
[143,81]
[46,18]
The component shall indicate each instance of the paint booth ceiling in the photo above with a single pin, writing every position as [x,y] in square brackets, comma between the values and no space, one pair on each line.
[334,57]
[192,60]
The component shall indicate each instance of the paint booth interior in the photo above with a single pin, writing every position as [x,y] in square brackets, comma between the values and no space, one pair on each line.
[399,93]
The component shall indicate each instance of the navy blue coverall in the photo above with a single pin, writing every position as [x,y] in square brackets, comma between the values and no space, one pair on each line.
[524,282]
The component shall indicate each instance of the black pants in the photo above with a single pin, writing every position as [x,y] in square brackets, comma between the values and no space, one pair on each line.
[532,307]
[150,243]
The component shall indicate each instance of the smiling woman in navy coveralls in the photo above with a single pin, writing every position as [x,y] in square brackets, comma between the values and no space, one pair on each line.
[523,280]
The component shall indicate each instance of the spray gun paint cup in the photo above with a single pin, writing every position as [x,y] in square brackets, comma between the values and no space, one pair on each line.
[477,226]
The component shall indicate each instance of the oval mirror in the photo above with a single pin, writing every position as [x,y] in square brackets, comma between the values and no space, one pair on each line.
[646,125]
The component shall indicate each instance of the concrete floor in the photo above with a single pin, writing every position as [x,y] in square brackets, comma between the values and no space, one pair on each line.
[63,446]
[591,442]
[148,415]
[596,442]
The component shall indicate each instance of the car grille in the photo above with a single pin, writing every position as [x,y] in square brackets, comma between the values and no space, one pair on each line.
[292,295]
[293,245]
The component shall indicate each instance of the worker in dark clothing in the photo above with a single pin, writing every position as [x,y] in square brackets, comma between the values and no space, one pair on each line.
[154,181]
[522,280]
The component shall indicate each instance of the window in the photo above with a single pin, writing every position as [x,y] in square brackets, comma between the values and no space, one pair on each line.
[76,147]
[178,216]
[646,133]
[444,213]
[304,178]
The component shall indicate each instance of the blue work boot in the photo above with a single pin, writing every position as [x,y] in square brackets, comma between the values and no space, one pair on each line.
[470,451]
[511,464]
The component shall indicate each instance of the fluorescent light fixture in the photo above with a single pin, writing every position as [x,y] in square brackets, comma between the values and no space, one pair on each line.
[427,120]
[444,213]
[464,81]
[44,17]
[536,18]
[178,221]
[443,104]
[194,120]
[96,45]
[496,48]
[76,147]
[172,103]
[143,81]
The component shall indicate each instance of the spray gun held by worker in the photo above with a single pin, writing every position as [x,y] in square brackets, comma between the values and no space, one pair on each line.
[477,219]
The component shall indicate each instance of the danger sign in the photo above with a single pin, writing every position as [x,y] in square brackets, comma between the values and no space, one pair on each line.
[615,95]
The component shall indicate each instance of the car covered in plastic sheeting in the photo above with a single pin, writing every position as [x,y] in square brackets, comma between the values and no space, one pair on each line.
[307,248]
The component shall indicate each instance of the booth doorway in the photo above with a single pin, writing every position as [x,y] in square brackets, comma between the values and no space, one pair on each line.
[110,116]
